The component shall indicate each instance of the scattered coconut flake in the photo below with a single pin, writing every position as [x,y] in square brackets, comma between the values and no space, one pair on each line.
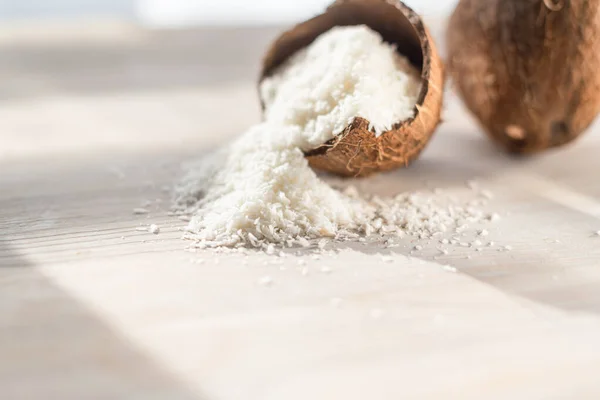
[494,217]
[153,228]
[487,194]
[265,281]
[141,229]
[325,270]
[303,242]
[449,268]
[140,211]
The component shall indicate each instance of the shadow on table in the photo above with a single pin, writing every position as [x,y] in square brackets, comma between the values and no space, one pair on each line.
[52,346]
[537,279]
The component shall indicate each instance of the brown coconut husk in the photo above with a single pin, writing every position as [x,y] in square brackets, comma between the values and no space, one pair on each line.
[357,151]
[527,69]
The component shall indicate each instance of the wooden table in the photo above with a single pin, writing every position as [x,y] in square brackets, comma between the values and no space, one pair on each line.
[95,122]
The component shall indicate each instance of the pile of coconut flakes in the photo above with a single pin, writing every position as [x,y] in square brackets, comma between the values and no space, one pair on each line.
[259,190]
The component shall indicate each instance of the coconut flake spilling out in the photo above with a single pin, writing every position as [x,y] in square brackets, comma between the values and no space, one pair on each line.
[260,191]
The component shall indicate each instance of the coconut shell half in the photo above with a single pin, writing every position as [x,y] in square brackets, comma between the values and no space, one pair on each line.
[356,151]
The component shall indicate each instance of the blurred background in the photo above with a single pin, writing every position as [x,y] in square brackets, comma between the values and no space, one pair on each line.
[185,12]
[106,75]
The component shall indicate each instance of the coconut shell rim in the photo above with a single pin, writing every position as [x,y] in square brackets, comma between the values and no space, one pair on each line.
[422,35]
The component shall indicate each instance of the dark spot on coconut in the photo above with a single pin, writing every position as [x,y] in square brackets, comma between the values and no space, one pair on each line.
[554,5]
[559,132]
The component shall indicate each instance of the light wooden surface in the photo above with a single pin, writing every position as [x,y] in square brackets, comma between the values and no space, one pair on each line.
[93,125]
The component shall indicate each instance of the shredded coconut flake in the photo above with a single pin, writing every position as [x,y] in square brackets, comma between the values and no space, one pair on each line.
[449,268]
[265,281]
[345,73]
[326,270]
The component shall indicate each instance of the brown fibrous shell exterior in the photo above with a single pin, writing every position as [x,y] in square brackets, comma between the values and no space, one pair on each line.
[356,151]
[527,69]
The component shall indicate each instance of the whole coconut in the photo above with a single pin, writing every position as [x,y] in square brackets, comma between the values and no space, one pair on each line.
[529,70]
[357,151]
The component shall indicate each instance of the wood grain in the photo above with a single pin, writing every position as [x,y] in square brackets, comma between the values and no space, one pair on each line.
[92,308]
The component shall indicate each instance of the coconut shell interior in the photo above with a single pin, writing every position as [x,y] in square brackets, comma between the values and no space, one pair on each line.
[356,151]
[381,16]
